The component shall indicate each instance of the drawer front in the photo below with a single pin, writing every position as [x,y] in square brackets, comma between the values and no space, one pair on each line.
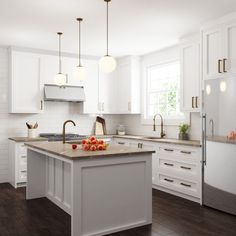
[180,153]
[22,176]
[176,184]
[23,162]
[22,148]
[179,168]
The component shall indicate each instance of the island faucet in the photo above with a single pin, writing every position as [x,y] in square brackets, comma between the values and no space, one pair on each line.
[211,123]
[64,129]
[162,127]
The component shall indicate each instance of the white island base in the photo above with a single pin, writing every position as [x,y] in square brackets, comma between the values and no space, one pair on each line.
[103,194]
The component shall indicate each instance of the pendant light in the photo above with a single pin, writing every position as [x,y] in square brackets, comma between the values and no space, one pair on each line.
[107,63]
[60,79]
[79,72]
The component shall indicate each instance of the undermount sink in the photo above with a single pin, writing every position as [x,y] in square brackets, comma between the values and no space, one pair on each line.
[152,137]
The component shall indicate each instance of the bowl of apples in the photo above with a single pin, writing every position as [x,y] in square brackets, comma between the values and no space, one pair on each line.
[93,144]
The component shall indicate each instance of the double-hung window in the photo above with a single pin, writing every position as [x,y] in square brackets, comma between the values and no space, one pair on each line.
[162,91]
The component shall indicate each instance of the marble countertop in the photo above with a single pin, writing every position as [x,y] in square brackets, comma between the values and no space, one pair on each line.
[195,143]
[221,139]
[66,151]
[26,139]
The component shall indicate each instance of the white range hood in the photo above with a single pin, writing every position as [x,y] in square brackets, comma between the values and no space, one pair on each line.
[65,93]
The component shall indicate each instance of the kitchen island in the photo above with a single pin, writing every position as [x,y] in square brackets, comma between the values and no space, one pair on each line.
[103,191]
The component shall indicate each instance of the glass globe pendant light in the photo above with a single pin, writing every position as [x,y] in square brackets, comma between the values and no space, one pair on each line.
[60,79]
[79,73]
[107,63]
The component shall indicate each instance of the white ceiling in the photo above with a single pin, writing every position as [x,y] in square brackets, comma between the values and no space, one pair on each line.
[136,26]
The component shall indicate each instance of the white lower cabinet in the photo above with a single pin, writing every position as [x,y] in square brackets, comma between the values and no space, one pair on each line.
[17,164]
[176,169]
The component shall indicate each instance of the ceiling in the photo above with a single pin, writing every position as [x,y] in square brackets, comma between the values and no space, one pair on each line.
[137,27]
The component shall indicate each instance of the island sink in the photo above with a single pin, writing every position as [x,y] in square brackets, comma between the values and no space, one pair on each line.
[103,191]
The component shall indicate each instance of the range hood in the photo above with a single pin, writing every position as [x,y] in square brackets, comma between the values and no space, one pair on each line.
[65,93]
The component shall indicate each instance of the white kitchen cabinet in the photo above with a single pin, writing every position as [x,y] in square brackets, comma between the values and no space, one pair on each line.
[219,48]
[108,93]
[190,77]
[176,169]
[26,95]
[17,164]
[91,87]
[128,85]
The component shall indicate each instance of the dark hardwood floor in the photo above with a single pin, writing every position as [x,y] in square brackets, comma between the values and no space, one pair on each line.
[172,216]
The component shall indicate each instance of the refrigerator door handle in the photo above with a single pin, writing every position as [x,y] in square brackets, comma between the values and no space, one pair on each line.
[204,139]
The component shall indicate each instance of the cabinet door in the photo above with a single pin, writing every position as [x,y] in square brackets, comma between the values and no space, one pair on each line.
[230,48]
[91,87]
[49,68]
[190,77]
[124,88]
[212,53]
[26,93]
[108,93]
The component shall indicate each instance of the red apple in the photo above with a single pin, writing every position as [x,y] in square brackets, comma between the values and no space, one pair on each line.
[84,141]
[93,148]
[100,141]
[74,146]
[86,147]
[100,147]
[94,142]
[92,138]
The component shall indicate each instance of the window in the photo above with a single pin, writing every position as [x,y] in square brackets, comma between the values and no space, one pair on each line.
[163,91]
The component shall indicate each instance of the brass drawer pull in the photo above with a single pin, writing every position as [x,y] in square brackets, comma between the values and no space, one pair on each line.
[219,62]
[186,185]
[169,180]
[185,152]
[192,102]
[186,168]
[168,164]
[224,69]
[168,150]
[196,102]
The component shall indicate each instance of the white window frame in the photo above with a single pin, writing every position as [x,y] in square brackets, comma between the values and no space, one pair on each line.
[167,120]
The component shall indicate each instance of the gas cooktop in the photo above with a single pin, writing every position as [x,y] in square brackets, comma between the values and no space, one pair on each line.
[58,137]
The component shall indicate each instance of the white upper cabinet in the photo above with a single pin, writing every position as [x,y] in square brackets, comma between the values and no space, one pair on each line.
[91,88]
[108,93]
[128,85]
[219,48]
[26,95]
[190,76]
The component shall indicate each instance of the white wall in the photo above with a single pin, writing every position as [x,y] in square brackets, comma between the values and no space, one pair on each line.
[50,121]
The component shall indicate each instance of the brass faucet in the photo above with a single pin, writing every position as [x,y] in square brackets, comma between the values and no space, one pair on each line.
[64,129]
[162,127]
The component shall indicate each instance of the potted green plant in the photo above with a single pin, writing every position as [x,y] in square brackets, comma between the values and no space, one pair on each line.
[183,131]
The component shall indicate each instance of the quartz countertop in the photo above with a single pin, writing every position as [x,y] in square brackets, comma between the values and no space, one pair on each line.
[66,151]
[26,139]
[221,139]
[195,143]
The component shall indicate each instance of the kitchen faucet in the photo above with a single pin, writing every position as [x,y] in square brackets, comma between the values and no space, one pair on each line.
[154,125]
[64,129]
[211,122]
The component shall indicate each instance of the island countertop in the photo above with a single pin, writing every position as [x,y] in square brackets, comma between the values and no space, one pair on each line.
[66,151]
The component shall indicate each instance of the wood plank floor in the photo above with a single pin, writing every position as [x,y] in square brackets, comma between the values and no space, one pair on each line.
[172,216]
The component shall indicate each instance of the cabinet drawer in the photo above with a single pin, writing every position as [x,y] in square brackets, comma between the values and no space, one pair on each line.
[176,184]
[184,153]
[178,167]
[22,176]
[22,149]
[23,162]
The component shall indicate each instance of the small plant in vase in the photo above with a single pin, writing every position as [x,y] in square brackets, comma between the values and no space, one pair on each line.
[183,131]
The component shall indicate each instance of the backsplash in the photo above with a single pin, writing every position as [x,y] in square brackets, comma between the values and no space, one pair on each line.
[134,126]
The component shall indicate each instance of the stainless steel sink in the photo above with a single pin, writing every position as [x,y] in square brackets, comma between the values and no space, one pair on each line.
[152,137]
